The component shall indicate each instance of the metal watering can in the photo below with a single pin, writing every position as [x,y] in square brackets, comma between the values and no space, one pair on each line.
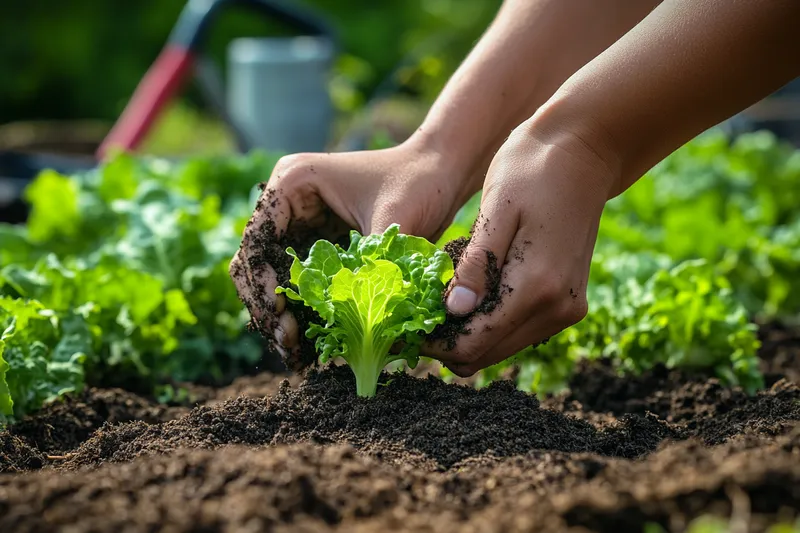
[277,88]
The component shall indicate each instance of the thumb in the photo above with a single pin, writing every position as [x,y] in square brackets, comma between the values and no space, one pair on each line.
[478,266]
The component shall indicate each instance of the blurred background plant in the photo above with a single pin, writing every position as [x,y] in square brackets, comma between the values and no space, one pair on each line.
[81,60]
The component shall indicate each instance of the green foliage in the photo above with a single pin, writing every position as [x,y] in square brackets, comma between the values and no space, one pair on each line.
[135,255]
[381,290]
[41,354]
[731,203]
[684,317]
[121,273]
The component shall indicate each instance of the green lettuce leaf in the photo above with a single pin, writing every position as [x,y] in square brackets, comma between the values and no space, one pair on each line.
[42,355]
[383,289]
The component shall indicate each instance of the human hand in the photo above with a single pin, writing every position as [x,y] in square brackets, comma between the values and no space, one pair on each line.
[327,194]
[540,210]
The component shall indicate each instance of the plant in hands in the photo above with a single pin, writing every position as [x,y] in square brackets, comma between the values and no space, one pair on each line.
[383,289]
[411,184]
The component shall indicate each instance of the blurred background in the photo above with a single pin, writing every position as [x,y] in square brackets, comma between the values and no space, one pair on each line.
[69,68]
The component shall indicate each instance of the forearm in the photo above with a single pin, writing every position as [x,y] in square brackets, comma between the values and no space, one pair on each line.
[689,65]
[526,54]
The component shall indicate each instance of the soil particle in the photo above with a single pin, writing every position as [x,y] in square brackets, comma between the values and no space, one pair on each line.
[425,422]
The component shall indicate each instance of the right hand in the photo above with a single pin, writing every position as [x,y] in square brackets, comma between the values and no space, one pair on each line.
[409,184]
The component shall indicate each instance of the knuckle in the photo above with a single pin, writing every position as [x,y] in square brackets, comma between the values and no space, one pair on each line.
[575,311]
[467,355]
[550,291]
[565,306]
[290,168]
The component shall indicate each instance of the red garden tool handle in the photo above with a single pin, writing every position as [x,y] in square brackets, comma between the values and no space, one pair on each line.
[156,89]
[174,64]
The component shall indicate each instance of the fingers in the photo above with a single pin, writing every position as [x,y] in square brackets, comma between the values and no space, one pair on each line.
[396,207]
[287,332]
[243,279]
[537,302]
[253,267]
[274,209]
[476,270]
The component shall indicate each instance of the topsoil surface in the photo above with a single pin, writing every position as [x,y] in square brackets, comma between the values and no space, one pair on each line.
[275,454]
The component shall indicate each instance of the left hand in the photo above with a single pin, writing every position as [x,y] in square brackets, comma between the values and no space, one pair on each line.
[540,211]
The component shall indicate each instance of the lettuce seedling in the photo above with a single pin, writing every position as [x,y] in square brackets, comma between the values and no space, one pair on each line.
[382,289]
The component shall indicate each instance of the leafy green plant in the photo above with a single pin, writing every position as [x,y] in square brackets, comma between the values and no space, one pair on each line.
[732,202]
[683,317]
[381,290]
[137,251]
[41,355]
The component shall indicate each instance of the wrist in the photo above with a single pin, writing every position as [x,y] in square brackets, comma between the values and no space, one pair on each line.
[459,171]
[562,123]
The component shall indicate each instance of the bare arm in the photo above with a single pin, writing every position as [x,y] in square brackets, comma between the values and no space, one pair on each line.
[689,65]
[526,54]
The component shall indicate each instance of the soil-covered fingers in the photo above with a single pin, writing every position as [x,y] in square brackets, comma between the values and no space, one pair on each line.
[534,303]
[262,256]
[478,267]
[475,290]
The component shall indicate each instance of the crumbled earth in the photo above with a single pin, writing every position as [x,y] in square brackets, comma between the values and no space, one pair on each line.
[276,454]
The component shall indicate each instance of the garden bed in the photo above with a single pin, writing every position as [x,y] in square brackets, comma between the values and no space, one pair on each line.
[280,453]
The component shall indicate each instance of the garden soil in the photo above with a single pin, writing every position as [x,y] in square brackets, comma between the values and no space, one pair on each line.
[280,453]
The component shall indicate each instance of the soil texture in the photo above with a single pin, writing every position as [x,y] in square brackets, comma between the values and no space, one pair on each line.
[275,454]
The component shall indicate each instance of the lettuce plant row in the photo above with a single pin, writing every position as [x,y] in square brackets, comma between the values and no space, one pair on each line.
[120,276]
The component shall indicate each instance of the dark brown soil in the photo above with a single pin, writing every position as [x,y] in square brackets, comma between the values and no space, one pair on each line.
[780,352]
[422,422]
[612,454]
[703,407]
[64,425]
[258,386]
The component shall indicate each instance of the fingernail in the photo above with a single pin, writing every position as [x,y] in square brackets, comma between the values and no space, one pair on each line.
[461,300]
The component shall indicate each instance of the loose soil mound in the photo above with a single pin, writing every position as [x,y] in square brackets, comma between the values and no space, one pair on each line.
[413,421]
[268,454]
[258,386]
[703,408]
[64,425]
